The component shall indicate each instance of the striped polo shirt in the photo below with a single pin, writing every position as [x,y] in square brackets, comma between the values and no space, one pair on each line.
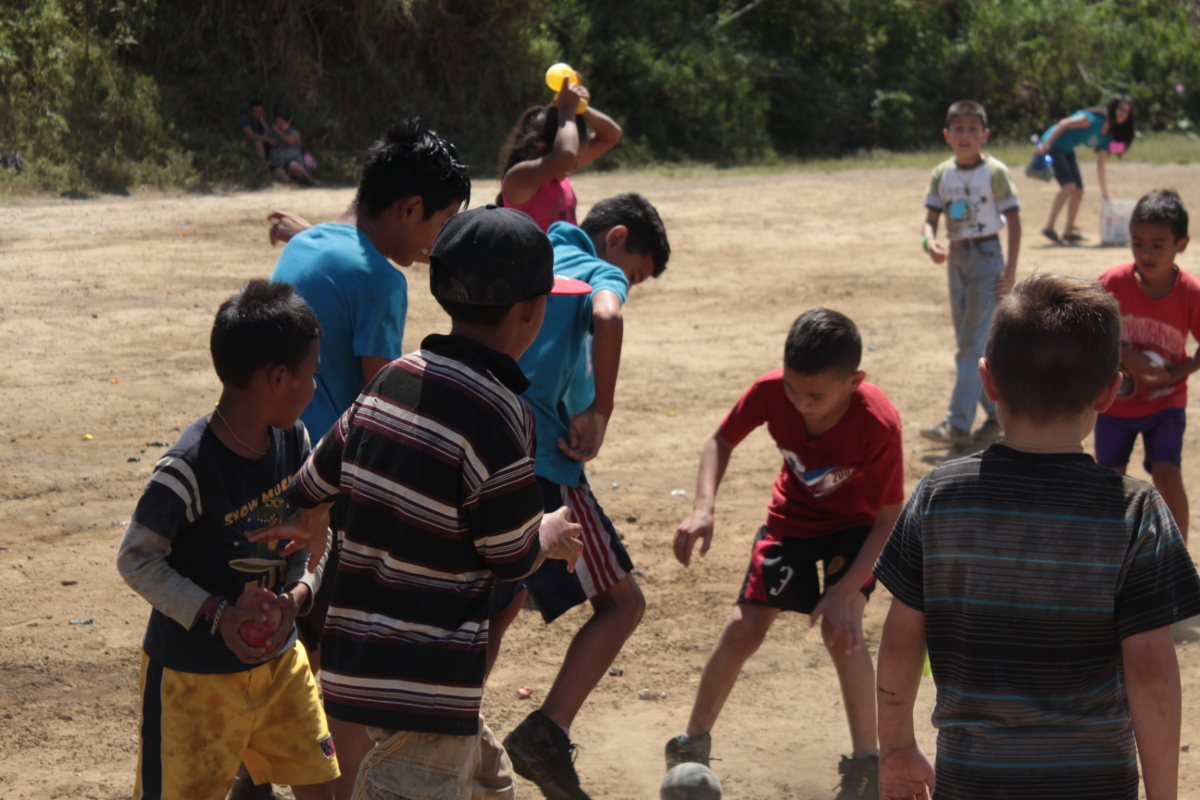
[436,460]
[1030,570]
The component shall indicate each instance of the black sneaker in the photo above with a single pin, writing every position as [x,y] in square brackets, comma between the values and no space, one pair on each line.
[684,749]
[542,753]
[247,789]
[860,777]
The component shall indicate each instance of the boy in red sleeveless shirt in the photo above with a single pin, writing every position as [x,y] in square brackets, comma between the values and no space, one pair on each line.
[835,501]
[1160,304]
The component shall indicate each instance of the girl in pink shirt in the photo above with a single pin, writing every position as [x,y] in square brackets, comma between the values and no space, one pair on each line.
[546,145]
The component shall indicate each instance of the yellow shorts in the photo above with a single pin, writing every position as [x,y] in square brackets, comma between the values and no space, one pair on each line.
[196,729]
[435,766]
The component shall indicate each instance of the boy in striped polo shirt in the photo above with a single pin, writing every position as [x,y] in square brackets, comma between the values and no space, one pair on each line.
[435,459]
[1043,584]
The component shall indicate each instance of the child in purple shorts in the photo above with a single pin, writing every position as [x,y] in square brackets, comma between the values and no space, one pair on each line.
[1160,304]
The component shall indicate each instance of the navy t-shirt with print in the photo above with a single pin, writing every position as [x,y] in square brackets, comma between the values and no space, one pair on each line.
[204,498]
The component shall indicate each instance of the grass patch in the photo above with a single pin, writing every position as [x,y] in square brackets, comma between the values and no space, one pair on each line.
[1150,148]
[229,166]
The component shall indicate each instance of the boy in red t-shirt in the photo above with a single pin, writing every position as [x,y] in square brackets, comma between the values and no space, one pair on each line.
[1160,304]
[835,500]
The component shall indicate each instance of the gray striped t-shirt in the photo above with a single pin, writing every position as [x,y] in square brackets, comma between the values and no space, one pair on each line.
[1030,570]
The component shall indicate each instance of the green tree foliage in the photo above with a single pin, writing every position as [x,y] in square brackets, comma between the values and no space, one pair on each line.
[109,93]
[345,70]
[81,118]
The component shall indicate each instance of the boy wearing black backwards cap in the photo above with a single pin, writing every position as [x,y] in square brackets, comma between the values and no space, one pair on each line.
[436,461]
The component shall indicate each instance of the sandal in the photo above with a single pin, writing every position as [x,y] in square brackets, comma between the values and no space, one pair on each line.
[1052,235]
[1072,238]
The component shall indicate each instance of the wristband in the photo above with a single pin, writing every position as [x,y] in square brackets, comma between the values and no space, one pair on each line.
[217,615]
[211,608]
[925,243]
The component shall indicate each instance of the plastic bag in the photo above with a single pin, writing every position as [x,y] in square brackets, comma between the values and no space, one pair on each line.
[1040,167]
[1114,221]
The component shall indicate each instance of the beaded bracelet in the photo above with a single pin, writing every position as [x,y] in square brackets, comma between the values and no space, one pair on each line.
[210,608]
[217,615]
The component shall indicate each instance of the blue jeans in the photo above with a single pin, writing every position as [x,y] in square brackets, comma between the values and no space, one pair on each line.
[974,269]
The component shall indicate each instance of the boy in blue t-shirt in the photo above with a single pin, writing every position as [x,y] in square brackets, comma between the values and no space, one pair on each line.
[210,700]
[412,182]
[620,244]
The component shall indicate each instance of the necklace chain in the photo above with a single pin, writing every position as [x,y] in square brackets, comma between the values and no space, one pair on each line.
[233,433]
[1041,446]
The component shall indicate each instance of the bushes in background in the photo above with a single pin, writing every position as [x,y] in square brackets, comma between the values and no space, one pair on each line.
[111,93]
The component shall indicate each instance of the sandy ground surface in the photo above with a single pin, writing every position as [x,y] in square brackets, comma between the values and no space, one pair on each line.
[105,323]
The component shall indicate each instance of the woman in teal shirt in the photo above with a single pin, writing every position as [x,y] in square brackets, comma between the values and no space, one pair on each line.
[1106,130]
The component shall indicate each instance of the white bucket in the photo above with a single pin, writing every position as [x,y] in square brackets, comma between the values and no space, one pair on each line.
[1114,221]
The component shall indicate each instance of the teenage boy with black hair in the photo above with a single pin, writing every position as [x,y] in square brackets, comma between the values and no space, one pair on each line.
[1160,305]
[835,501]
[412,182]
[209,699]
[1043,584]
[435,461]
[621,243]
[977,194]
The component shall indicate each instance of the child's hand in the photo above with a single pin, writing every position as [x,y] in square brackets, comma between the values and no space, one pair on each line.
[587,434]
[289,604]
[905,773]
[569,96]
[698,525]
[937,253]
[309,529]
[1147,373]
[230,628]
[561,538]
[285,225]
[1004,287]
[841,623]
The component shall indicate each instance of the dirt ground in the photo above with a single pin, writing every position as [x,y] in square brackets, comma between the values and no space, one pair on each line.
[105,327]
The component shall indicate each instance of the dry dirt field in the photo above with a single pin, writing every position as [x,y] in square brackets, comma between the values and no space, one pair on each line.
[105,327]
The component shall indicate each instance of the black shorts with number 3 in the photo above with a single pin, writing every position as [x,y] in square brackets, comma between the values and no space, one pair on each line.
[783,569]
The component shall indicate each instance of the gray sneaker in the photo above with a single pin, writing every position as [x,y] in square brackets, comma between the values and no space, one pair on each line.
[540,752]
[860,777]
[684,749]
[989,431]
[945,433]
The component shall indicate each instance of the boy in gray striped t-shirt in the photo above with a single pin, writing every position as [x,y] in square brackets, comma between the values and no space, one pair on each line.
[1043,584]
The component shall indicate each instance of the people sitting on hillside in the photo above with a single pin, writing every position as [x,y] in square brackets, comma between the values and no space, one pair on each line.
[252,125]
[286,158]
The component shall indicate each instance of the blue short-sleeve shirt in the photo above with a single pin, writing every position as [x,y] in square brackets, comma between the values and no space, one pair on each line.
[557,363]
[361,301]
[1090,136]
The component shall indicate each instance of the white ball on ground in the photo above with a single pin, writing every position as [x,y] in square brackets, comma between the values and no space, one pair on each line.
[690,782]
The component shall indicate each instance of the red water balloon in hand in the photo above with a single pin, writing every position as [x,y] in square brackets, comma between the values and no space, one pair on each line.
[256,633]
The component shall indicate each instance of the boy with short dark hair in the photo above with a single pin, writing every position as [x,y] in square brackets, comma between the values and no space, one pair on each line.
[435,460]
[977,194]
[572,368]
[412,182]
[209,699]
[835,500]
[1160,305]
[1043,584]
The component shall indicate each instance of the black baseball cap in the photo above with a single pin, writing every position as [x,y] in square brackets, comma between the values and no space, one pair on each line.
[494,256]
